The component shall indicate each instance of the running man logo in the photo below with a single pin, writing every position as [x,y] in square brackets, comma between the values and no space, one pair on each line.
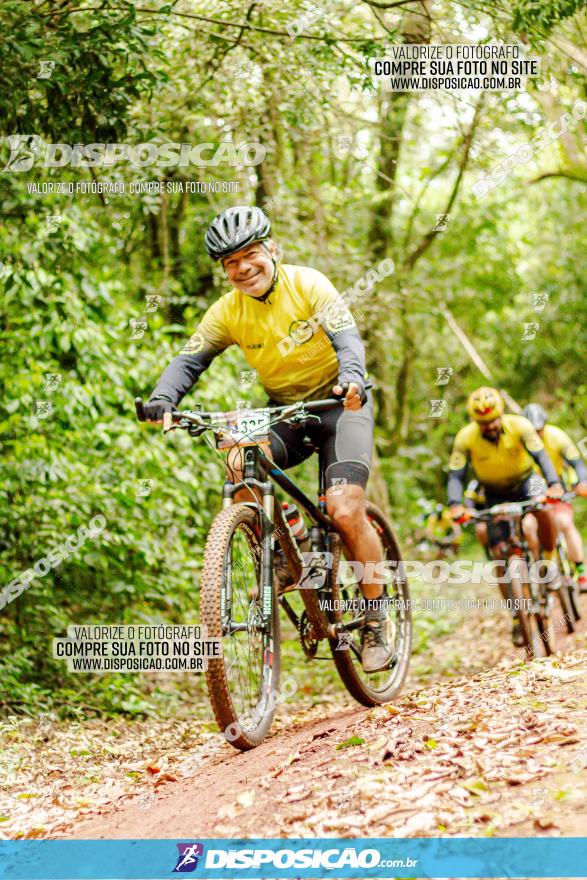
[530,331]
[46,69]
[42,408]
[443,375]
[441,224]
[189,854]
[138,327]
[539,301]
[52,381]
[345,640]
[23,151]
[437,408]
[153,302]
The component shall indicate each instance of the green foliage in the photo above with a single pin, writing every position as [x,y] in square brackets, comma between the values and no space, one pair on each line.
[70,291]
[541,16]
[101,63]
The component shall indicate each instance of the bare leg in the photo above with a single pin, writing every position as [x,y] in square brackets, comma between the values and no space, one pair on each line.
[563,518]
[546,530]
[481,533]
[530,529]
[482,536]
[347,510]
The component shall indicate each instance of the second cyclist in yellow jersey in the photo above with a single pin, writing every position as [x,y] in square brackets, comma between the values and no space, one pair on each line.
[502,450]
[570,467]
[500,464]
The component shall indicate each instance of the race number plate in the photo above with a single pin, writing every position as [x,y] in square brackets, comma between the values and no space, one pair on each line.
[246,427]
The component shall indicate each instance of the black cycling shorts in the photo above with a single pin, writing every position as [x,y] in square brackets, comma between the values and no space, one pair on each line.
[531,487]
[343,438]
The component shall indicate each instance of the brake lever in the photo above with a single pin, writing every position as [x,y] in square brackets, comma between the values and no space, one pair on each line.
[302,418]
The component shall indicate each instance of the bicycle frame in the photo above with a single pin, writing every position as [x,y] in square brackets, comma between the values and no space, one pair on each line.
[260,473]
[275,524]
[513,513]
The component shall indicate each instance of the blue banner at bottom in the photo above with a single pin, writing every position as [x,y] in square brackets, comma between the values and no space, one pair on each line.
[301,858]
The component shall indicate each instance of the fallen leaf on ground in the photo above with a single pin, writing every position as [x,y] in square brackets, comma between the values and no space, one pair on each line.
[544,824]
[349,743]
[246,798]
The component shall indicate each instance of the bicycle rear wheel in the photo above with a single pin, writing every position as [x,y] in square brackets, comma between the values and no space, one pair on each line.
[574,597]
[371,690]
[242,684]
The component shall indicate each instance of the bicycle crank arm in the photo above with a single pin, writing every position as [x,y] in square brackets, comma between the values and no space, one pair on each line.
[289,610]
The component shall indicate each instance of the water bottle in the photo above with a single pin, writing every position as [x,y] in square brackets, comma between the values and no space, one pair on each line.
[295,522]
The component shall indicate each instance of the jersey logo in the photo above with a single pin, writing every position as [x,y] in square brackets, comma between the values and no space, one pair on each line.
[301,331]
[256,345]
[337,318]
[195,344]
[457,461]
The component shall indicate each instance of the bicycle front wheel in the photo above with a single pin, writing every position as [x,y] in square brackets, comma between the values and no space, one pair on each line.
[243,683]
[569,591]
[523,603]
[565,597]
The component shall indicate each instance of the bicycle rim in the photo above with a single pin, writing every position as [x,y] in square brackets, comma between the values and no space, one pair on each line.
[572,587]
[242,684]
[527,618]
[566,603]
[380,687]
[545,599]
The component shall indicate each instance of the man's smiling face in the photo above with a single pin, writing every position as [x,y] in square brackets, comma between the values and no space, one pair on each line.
[251,269]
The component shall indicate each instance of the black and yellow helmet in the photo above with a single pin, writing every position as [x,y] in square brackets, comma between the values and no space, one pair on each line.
[234,229]
[485,404]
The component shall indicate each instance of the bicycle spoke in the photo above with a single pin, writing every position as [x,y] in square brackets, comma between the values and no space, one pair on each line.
[244,648]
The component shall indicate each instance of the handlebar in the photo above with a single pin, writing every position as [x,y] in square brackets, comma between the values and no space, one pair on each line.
[516,508]
[291,409]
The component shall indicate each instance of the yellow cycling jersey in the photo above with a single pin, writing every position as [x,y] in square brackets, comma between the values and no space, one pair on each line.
[283,338]
[560,447]
[500,465]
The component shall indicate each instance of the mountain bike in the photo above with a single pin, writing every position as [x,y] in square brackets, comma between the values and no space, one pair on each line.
[239,595]
[529,597]
[569,588]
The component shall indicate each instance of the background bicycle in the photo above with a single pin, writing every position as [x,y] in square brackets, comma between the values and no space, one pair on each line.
[531,585]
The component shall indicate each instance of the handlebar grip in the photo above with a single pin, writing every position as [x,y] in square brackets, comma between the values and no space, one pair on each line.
[140,409]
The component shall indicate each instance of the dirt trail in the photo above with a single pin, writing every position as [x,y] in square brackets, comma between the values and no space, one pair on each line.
[500,752]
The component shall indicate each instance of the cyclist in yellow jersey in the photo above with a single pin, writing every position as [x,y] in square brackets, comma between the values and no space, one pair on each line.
[502,449]
[295,330]
[570,467]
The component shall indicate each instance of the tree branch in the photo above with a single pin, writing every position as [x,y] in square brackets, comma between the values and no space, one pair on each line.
[410,225]
[429,237]
[216,62]
[251,27]
[390,5]
[570,175]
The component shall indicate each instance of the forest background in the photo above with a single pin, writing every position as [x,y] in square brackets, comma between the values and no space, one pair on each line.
[100,291]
